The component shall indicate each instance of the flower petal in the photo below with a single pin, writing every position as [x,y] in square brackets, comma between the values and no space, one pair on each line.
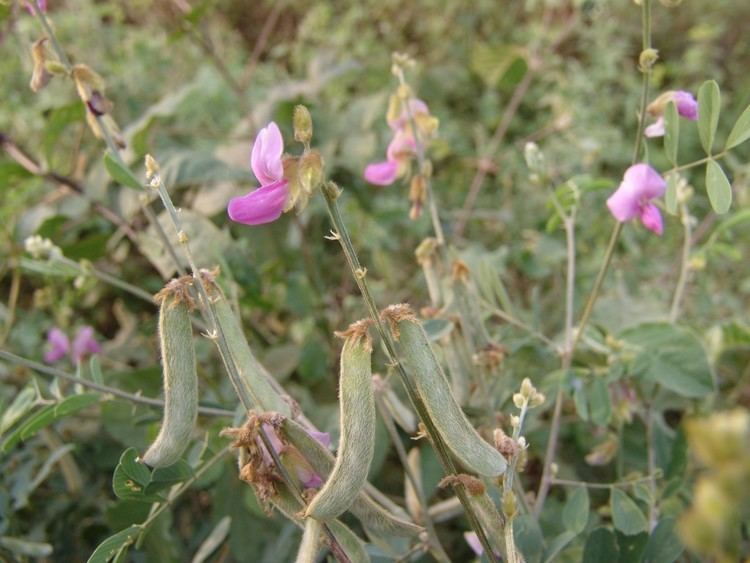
[259,206]
[473,540]
[640,184]
[381,173]
[84,343]
[416,106]
[265,159]
[651,218]
[323,437]
[401,146]
[687,105]
[59,346]
[656,129]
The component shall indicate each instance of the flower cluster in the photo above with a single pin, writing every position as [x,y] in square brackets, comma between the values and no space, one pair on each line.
[59,345]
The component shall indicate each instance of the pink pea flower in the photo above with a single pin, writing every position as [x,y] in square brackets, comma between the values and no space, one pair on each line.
[58,346]
[685,102]
[639,186]
[84,344]
[476,546]
[266,203]
[401,149]
[308,478]
[41,4]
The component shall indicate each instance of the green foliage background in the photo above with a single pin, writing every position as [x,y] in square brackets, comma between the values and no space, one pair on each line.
[189,88]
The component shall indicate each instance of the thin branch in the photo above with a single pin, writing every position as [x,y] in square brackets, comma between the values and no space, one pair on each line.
[106,389]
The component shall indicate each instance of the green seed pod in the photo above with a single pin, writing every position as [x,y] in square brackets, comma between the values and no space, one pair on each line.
[372,515]
[254,376]
[357,422]
[418,358]
[308,548]
[180,377]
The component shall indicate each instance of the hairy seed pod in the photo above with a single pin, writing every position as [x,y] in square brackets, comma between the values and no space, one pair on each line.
[180,382]
[308,547]
[377,520]
[413,348]
[357,422]
[254,375]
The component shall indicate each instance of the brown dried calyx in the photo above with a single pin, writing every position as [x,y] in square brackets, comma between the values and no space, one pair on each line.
[473,485]
[460,271]
[358,330]
[257,466]
[178,290]
[506,445]
[394,314]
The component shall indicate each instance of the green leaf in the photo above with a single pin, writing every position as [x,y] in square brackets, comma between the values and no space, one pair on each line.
[131,478]
[671,132]
[164,477]
[670,199]
[709,106]
[557,545]
[673,357]
[626,515]
[663,545]
[631,547]
[581,402]
[529,539]
[600,404]
[22,404]
[576,511]
[48,415]
[718,187]
[21,546]
[49,267]
[437,329]
[741,130]
[121,173]
[213,541]
[114,545]
[601,546]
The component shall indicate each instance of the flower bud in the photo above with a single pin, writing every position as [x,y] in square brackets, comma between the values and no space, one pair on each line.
[647,59]
[519,400]
[310,170]
[509,504]
[303,125]
[55,67]
[40,76]
[331,191]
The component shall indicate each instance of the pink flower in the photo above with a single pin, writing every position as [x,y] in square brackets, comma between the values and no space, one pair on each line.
[632,199]
[401,149]
[58,346]
[686,105]
[41,4]
[266,203]
[84,344]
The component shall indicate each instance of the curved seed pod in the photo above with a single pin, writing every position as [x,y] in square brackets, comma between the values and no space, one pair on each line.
[357,422]
[308,548]
[254,375]
[373,516]
[180,377]
[413,348]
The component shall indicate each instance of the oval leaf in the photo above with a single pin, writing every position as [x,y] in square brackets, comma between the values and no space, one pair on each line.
[671,132]
[663,545]
[113,545]
[741,130]
[626,515]
[670,198]
[718,187]
[576,511]
[601,545]
[709,105]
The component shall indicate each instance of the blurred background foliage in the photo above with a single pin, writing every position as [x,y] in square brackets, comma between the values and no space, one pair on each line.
[193,81]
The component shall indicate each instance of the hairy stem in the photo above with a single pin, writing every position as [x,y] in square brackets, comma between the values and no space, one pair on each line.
[679,290]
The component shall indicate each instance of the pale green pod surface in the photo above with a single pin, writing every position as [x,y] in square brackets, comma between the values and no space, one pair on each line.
[459,435]
[180,384]
[253,374]
[357,422]
[491,520]
[308,548]
[374,517]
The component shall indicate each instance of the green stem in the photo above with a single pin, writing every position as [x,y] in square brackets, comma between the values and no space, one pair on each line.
[108,278]
[341,234]
[616,484]
[106,389]
[684,266]
[700,161]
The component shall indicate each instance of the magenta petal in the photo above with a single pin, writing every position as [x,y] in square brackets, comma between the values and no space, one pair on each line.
[259,206]
[84,343]
[381,173]
[59,346]
[623,205]
[401,146]
[639,184]
[687,105]
[651,218]
[656,129]
[265,159]
[323,437]
[309,479]
[416,106]
[473,540]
